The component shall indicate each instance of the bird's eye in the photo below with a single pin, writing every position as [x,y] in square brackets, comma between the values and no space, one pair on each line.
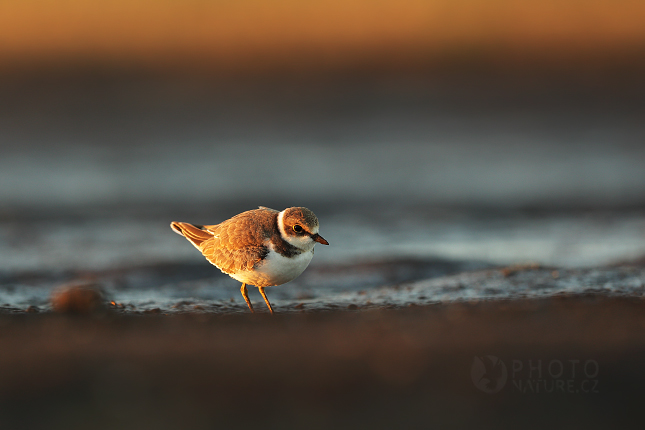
[297,228]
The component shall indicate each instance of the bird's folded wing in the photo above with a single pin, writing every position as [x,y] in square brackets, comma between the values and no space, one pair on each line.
[232,259]
[241,242]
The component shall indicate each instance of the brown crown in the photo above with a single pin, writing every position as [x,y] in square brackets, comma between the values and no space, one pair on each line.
[299,215]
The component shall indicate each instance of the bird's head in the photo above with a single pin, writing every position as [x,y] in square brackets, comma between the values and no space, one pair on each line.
[299,227]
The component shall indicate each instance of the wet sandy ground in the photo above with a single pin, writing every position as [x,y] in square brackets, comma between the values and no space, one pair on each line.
[413,367]
[378,285]
[379,345]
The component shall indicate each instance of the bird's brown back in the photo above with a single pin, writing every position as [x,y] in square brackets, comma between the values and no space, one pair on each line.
[236,244]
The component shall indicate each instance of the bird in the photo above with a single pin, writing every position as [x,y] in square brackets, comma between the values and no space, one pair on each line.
[261,247]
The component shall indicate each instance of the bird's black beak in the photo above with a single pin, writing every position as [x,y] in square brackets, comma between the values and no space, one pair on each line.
[318,238]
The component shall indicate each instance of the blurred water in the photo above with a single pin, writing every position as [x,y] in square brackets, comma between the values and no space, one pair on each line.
[357,234]
[113,141]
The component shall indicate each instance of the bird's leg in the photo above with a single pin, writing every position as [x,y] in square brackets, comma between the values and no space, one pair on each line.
[245,294]
[265,298]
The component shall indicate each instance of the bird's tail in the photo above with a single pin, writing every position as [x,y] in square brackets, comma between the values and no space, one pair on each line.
[193,233]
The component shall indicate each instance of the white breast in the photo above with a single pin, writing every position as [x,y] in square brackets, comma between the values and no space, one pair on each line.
[275,269]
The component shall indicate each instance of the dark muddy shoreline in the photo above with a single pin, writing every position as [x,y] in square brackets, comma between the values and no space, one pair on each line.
[406,367]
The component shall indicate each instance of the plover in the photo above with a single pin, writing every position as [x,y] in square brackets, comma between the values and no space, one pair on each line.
[261,247]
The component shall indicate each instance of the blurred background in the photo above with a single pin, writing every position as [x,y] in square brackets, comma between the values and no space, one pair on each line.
[432,138]
[422,128]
